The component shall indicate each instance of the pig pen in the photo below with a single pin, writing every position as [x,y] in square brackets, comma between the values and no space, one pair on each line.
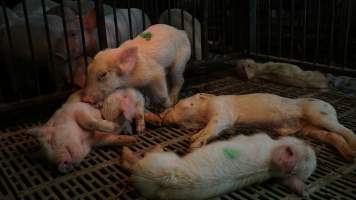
[263,32]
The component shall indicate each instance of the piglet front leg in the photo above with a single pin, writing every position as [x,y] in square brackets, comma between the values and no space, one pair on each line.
[100,139]
[90,123]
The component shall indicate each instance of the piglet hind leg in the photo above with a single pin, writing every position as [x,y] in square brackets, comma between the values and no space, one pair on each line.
[330,138]
[294,184]
[160,91]
[90,123]
[100,139]
[211,131]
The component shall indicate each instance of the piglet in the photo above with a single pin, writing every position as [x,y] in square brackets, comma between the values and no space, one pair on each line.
[176,16]
[141,63]
[73,130]
[221,167]
[213,114]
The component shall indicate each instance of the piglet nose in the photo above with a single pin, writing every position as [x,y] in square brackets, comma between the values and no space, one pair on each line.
[65,167]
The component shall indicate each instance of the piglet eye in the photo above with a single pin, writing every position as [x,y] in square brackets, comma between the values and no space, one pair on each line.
[102,76]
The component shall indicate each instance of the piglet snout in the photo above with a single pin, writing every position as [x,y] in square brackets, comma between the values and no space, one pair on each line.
[65,167]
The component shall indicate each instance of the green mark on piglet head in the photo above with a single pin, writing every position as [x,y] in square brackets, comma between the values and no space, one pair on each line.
[146,35]
[230,153]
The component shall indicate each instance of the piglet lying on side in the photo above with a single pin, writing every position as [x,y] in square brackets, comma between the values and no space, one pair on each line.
[125,105]
[285,116]
[221,167]
[73,130]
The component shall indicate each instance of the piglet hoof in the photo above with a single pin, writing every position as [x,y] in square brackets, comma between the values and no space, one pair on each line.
[140,129]
[65,167]
[347,153]
[197,144]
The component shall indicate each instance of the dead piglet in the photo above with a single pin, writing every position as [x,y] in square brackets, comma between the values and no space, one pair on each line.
[141,62]
[73,130]
[284,116]
[221,167]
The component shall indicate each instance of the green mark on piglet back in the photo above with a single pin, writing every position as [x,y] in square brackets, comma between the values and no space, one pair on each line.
[146,35]
[231,154]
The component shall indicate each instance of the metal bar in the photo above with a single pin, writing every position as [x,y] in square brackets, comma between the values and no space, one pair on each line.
[143,15]
[115,24]
[204,29]
[280,26]
[305,29]
[11,45]
[223,7]
[348,24]
[332,32]
[100,20]
[317,32]
[193,24]
[82,33]
[182,18]
[66,42]
[50,50]
[269,27]
[24,6]
[252,26]
[169,12]
[130,20]
[292,29]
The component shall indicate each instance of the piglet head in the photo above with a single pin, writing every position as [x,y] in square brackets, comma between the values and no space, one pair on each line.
[117,104]
[111,69]
[293,161]
[189,113]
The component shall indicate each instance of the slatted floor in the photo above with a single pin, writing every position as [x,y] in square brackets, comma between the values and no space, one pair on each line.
[101,177]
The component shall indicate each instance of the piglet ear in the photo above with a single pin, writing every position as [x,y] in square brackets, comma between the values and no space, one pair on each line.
[295,184]
[129,108]
[36,132]
[127,60]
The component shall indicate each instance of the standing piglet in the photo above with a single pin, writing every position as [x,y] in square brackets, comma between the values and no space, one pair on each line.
[141,62]
[73,130]
[221,167]
[213,114]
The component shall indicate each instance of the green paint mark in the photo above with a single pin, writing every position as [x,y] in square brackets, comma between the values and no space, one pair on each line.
[231,154]
[146,35]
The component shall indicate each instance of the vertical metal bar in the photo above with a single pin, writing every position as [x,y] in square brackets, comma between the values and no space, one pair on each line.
[169,12]
[305,29]
[332,31]
[50,50]
[11,45]
[292,29]
[130,20]
[193,24]
[143,15]
[204,29]
[82,33]
[223,7]
[317,32]
[115,24]
[67,42]
[156,9]
[348,24]
[100,20]
[280,26]
[253,26]
[182,18]
[37,82]
[269,27]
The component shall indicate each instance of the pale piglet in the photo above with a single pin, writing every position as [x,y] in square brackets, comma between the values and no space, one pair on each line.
[221,167]
[73,130]
[141,63]
[125,105]
[182,19]
[285,116]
